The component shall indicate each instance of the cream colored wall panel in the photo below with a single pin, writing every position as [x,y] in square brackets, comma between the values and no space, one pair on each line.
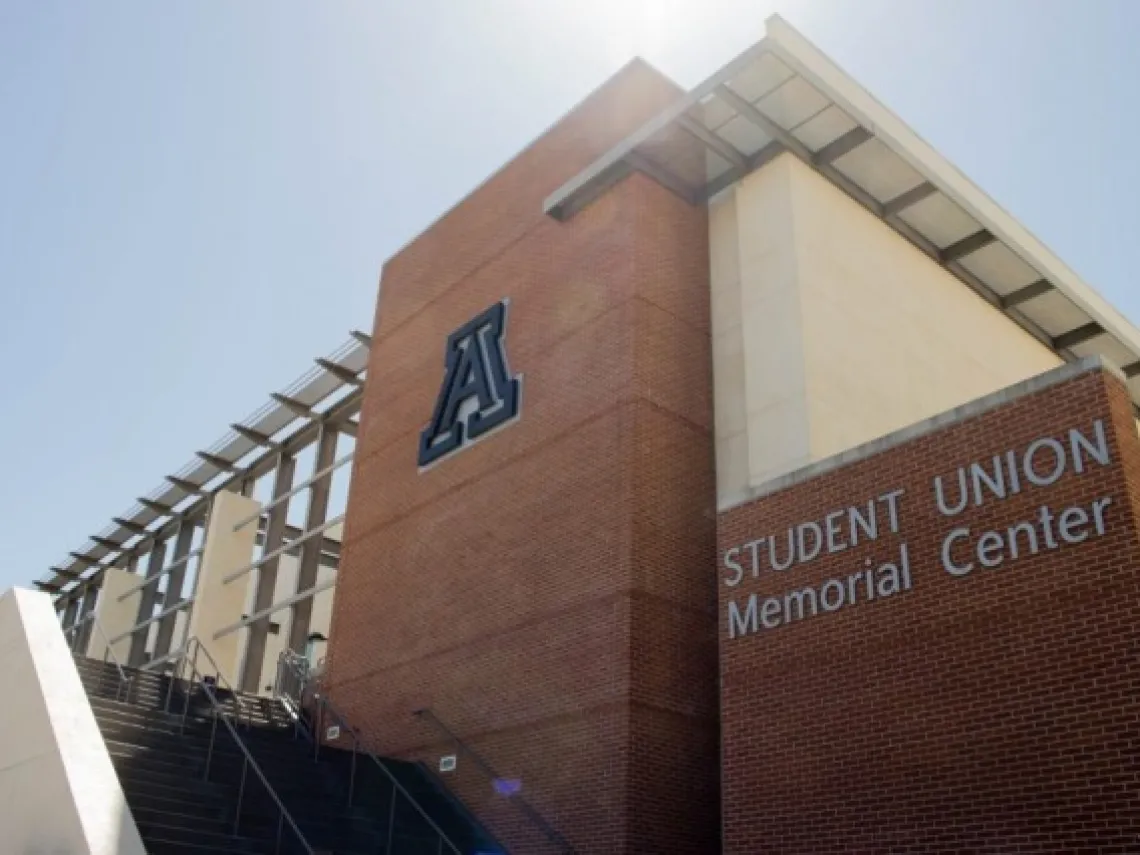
[771,324]
[890,338]
[114,617]
[730,406]
[732,469]
[759,381]
[219,604]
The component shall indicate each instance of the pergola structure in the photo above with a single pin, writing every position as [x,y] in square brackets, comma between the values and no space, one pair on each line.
[162,536]
[783,95]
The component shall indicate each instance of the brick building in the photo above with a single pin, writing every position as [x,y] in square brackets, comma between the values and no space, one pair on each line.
[709,292]
[731,475]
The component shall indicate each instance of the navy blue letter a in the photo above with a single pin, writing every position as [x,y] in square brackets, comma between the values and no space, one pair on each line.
[476,370]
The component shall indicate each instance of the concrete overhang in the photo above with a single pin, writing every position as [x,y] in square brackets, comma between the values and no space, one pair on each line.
[783,95]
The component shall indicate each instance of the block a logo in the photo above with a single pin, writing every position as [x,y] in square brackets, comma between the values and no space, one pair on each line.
[478,393]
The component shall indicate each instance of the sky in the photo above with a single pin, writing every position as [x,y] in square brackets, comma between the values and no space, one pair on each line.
[196,198]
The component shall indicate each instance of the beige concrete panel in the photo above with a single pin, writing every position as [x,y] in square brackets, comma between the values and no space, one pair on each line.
[771,324]
[732,469]
[890,337]
[217,604]
[114,617]
[819,70]
[730,405]
[58,789]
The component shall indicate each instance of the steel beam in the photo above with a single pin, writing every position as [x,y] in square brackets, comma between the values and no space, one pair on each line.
[255,436]
[362,337]
[340,372]
[1023,295]
[900,203]
[266,587]
[316,515]
[1131,370]
[771,128]
[712,142]
[155,507]
[188,487]
[147,601]
[86,613]
[1077,336]
[966,246]
[273,608]
[662,176]
[70,610]
[174,583]
[85,560]
[293,405]
[219,463]
[131,526]
[106,543]
[844,145]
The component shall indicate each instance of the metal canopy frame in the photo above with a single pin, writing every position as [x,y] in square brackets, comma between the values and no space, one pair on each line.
[329,393]
[783,95]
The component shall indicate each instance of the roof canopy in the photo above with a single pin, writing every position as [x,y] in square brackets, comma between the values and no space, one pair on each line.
[327,392]
[784,95]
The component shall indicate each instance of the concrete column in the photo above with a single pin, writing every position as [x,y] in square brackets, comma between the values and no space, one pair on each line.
[86,607]
[115,617]
[216,604]
[70,610]
[267,575]
[149,596]
[311,549]
[182,544]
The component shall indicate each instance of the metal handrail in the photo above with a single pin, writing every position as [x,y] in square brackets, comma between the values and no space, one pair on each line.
[248,761]
[195,644]
[108,650]
[299,666]
[536,818]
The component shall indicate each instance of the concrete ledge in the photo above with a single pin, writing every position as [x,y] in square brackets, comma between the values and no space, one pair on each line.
[976,407]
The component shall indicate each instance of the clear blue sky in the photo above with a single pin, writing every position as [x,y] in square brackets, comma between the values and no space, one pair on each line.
[196,198]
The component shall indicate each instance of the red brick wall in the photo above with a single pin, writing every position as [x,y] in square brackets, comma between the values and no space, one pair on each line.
[550,591]
[996,712]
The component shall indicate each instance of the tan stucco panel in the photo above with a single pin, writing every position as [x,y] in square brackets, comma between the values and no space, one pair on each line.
[830,329]
[891,338]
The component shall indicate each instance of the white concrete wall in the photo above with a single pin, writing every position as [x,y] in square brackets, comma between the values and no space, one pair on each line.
[59,792]
[831,330]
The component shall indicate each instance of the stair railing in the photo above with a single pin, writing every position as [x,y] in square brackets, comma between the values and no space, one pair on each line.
[220,714]
[189,653]
[528,810]
[292,684]
[124,685]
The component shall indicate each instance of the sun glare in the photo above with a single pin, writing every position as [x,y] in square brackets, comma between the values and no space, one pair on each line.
[643,28]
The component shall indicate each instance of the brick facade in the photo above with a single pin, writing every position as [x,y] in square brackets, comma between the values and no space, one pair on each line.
[549,592]
[990,712]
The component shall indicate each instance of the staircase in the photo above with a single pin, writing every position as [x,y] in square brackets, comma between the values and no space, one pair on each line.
[192,790]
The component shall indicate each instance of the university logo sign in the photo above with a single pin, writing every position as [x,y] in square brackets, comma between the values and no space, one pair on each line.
[478,393]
